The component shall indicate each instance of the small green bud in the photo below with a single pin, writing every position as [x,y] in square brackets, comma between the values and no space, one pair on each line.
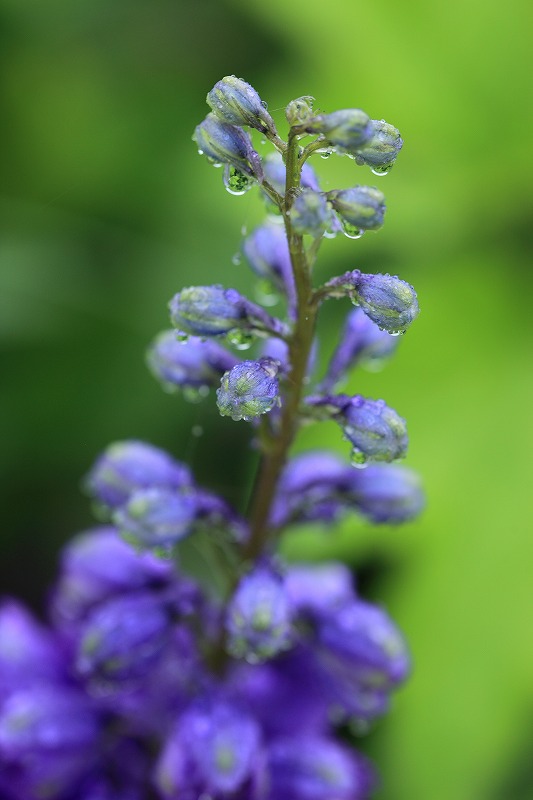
[300,110]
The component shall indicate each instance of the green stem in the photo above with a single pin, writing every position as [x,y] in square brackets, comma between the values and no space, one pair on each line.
[299,342]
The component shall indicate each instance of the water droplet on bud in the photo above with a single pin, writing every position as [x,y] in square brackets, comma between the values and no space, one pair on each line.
[351,231]
[266,294]
[381,171]
[237,182]
[241,340]
[182,337]
[358,459]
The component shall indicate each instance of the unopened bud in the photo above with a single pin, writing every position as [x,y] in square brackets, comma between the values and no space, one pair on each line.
[235,101]
[363,206]
[381,150]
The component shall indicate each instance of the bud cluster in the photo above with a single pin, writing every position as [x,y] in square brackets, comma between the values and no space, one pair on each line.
[156,676]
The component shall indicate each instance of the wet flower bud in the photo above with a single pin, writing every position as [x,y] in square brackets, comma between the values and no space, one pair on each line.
[347,130]
[130,465]
[275,174]
[387,493]
[249,389]
[298,111]
[259,616]
[215,311]
[362,207]
[389,302]
[192,363]
[311,213]
[122,638]
[156,517]
[235,101]
[223,143]
[382,149]
[376,431]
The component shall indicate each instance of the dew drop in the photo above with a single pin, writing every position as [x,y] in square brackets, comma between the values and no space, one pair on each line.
[358,459]
[197,431]
[381,171]
[236,259]
[182,337]
[236,182]
[266,294]
[200,152]
[241,340]
[351,231]
[326,154]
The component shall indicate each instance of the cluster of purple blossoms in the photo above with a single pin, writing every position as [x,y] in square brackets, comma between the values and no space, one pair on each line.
[157,678]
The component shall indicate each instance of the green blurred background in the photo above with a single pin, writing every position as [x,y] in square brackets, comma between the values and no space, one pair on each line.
[106,211]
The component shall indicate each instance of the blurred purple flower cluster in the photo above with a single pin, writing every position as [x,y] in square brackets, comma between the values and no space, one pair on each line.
[154,678]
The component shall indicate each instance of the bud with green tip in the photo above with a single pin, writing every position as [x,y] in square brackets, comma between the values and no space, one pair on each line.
[389,302]
[381,151]
[235,101]
[215,311]
[223,143]
[299,110]
[348,129]
[249,389]
[363,206]
[311,213]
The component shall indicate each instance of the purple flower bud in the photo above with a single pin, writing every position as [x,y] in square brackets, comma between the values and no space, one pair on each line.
[381,150]
[130,465]
[276,174]
[99,564]
[364,635]
[48,737]
[389,302]
[156,517]
[223,143]
[29,653]
[259,616]
[315,768]
[213,750]
[267,252]
[361,342]
[249,389]
[235,101]
[192,363]
[311,213]
[387,493]
[122,638]
[215,311]
[348,129]
[362,207]
[375,430]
